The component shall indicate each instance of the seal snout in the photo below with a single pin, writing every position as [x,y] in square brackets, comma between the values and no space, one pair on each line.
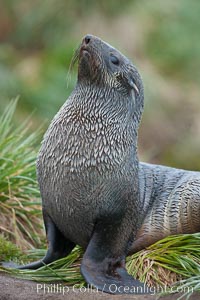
[86,43]
[87,39]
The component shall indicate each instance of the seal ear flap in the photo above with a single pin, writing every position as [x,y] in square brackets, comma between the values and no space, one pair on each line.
[128,81]
[132,83]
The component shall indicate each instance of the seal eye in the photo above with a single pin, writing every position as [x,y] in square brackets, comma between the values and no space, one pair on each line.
[114,59]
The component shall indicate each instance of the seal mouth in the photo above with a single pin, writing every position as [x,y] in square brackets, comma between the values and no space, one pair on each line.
[84,50]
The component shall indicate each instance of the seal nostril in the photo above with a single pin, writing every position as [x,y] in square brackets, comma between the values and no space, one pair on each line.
[87,39]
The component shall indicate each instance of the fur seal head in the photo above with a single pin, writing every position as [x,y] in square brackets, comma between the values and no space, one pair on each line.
[102,66]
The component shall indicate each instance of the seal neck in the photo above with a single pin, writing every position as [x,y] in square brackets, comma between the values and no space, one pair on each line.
[115,106]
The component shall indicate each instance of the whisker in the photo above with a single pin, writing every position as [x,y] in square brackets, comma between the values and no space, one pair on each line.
[74,60]
[75,57]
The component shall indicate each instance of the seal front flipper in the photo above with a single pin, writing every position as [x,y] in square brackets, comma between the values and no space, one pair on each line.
[58,247]
[108,273]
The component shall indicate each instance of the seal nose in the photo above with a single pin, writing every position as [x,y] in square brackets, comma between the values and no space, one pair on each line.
[87,39]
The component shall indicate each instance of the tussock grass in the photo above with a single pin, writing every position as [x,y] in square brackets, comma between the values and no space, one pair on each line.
[8,250]
[66,269]
[167,261]
[20,211]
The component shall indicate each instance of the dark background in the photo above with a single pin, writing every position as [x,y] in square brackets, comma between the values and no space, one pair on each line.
[162,38]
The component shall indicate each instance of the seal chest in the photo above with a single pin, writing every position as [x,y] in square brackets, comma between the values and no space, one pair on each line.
[82,156]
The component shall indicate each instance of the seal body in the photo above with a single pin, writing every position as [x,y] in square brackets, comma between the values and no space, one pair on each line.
[85,165]
[172,199]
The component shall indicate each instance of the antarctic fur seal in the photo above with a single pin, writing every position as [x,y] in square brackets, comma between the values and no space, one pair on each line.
[95,193]
[87,168]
